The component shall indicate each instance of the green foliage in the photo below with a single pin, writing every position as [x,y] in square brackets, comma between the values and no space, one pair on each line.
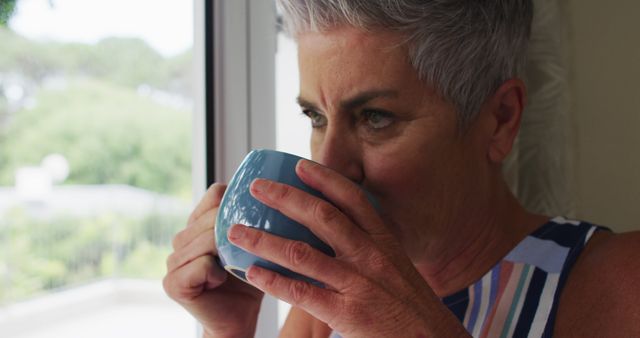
[127,62]
[87,107]
[93,114]
[34,61]
[6,10]
[37,255]
[109,135]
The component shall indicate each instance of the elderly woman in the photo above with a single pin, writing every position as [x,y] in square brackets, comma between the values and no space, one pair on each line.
[419,102]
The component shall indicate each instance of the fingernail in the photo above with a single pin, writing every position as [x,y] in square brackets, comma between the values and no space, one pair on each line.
[304,165]
[259,185]
[235,232]
[253,274]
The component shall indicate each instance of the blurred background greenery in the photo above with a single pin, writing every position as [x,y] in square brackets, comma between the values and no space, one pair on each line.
[120,113]
[42,255]
[86,102]
[6,10]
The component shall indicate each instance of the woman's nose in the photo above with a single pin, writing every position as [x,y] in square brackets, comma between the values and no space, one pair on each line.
[341,153]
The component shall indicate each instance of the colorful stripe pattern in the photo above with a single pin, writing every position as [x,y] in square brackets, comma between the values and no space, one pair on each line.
[519,296]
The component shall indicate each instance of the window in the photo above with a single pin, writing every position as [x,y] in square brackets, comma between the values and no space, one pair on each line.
[293,129]
[96,113]
[255,90]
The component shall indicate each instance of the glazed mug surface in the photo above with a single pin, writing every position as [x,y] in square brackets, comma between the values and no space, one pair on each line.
[239,207]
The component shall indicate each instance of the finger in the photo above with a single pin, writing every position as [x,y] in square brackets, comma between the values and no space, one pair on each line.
[211,199]
[203,245]
[192,279]
[345,194]
[187,235]
[320,303]
[294,255]
[321,217]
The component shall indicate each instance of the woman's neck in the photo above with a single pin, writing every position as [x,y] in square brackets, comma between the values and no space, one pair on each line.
[478,244]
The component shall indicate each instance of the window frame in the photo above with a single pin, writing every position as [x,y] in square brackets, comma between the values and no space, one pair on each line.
[235,47]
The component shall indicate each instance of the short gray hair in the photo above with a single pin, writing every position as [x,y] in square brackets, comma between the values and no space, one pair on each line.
[465,48]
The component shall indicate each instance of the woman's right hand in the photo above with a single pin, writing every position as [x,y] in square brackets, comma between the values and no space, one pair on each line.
[224,305]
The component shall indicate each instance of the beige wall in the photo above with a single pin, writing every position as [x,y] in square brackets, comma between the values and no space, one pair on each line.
[605,91]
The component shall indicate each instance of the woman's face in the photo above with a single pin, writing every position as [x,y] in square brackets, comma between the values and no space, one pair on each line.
[375,122]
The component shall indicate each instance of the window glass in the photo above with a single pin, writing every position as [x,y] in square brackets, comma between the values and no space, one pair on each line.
[95,165]
[293,129]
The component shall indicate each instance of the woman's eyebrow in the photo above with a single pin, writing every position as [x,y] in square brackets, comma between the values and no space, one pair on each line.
[304,103]
[355,101]
[366,96]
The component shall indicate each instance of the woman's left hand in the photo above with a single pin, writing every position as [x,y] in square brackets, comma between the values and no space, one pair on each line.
[371,287]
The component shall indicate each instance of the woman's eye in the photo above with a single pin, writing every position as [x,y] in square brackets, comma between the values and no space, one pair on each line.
[317,120]
[378,119]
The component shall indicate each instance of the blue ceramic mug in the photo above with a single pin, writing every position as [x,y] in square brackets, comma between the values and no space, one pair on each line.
[239,207]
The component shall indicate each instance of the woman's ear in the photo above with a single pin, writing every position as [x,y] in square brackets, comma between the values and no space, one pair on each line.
[505,112]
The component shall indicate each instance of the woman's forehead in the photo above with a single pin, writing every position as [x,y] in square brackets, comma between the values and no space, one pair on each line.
[344,63]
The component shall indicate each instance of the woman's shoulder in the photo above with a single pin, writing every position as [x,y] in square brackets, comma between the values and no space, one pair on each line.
[601,297]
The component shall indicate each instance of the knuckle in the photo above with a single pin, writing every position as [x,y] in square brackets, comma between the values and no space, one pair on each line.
[177,240]
[337,315]
[350,312]
[280,191]
[298,252]
[326,213]
[380,262]
[271,281]
[372,259]
[363,283]
[167,285]
[191,218]
[360,253]
[256,239]
[169,261]
[172,261]
[298,291]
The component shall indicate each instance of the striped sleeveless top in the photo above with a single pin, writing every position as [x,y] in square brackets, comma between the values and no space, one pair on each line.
[519,296]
